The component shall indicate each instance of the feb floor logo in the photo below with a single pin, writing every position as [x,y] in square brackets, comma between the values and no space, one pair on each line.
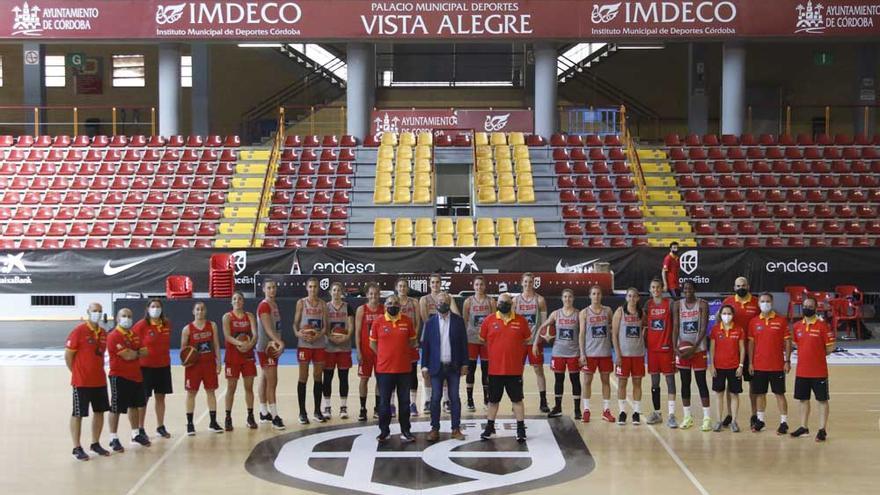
[347,460]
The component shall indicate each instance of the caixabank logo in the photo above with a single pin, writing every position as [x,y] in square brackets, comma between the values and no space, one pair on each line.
[346,460]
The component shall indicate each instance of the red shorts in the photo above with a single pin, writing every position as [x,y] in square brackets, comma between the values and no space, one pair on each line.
[535,359]
[309,355]
[561,364]
[478,350]
[366,365]
[631,366]
[696,362]
[266,361]
[605,364]
[244,369]
[203,372]
[661,362]
[339,359]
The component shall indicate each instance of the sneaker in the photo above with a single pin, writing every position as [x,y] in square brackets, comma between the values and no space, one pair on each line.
[544,407]
[407,437]
[717,427]
[457,434]
[734,426]
[116,446]
[687,423]
[801,431]
[162,432]
[521,434]
[143,432]
[672,422]
[758,425]
[707,424]
[637,418]
[783,429]
[727,420]
[413,410]
[362,414]
[265,418]
[141,440]
[190,430]
[383,437]
[80,454]
[471,406]
[555,413]
[621,418]
[251,423]
[97,449]
[303,419]
[215,427]
[752,420]
[326,412]
[320,418]
[607,416]
[488,432]
[343,412]
[821,435]
[277,423]
[393,410]
[447,407]
[654,418]
[227,425]
[577,414]
[586,416]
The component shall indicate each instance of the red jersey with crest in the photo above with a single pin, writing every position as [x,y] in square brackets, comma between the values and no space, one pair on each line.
[118,341]
[203,340]
[659,316]
[89,341]
[240,329]
[368,316]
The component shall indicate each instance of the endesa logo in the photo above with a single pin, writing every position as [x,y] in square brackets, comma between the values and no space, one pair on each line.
[344,267]
[796,266]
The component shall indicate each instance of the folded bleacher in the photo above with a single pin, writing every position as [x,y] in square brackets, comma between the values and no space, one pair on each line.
[458,232]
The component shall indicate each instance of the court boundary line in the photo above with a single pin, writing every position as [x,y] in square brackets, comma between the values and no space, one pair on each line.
[143,479]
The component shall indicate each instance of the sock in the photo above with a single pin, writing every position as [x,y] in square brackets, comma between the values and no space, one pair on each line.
[250,412]
[687,411]
[213,415]
[761,416]
[637,406]
[490,423]
[558,402]
[520,425]
[586,403]
[783,418]
[189,418]
[363,402]
[606,404]
[264,409]
[142,431]
[113,436]
[134,433]
[273,410]
[670,406]
[543,397]
[228,413]
[318,394]
[655,398]
[470,393]
[301,396]
[707,412]
[621,403]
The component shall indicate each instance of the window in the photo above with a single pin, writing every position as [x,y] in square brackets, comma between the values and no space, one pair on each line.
[128,71]
[186,71]
[56,74]
[1,71]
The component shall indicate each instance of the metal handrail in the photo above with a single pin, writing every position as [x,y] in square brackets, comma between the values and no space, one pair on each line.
[633,157]
[268,183]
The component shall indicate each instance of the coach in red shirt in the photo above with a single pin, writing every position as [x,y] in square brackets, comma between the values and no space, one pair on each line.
[815,340]
[745,307]
[769,360]
[391,338]
[670,272]
[505,334]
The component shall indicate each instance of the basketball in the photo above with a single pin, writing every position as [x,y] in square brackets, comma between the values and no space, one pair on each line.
[273,350]
[685,347]
[188,356]
[308,331]
[548,333]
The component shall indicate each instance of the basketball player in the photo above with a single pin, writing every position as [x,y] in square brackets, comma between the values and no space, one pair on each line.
[269,331]
[769,360]
[690,316]
[727,350]
[745,307]
[310,327]
[533,308]
[428,308]
[565,355]
[410,307]
[202,335]
[155,334]
[815,340]
[239,333]
[628,337]
[670,272]
[364,317]
[84,355]
[661,358]
[476,308]
[337,354]
[126,380]
[595,351]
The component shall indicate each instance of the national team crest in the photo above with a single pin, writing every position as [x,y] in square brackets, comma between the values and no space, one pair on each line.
[344,460]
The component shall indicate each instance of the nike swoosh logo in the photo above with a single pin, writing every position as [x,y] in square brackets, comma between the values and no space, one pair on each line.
[560,268]
[111,270]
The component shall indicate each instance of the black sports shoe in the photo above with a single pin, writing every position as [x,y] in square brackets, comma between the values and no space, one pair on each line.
[821,435]
[555,413]
[637,418]
[250,422]
[319,417]
[407,437]
[383,437]
[488,432]
[621,418]
[265,418]
[758,425]
[521,434]
[471,406]
[80,454]
[141,440]
[362,415]
[163,432]
[727,420]
[97,449]
[783,429]
[215,427]
[190,430]
[544,407]
[116,446]
[801,431]
[753,420]
[227,425]
[277,423]
[303,418]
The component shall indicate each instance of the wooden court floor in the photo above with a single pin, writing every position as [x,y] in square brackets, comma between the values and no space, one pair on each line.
[628,459]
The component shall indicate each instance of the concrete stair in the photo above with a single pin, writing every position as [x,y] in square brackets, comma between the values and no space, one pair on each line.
[242,206]
[665,214]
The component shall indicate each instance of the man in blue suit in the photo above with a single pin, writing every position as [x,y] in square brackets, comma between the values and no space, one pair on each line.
[445,357]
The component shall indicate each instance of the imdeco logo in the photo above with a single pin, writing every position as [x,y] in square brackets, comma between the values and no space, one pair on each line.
[666,12]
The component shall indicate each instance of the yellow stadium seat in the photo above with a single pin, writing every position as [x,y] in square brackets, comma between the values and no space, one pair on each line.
[521,152]
[389,138]
[382,226]
[525,194]
[505,180]
[464,225]
[525,225]
[384,165]
[403,166]
[528,240]
[486,194]
[465,240]
[423,165]
[485,179]
[505,225]
[422,180]
[382,195]
[444,240]
[498,138]
[424,240]
[524,165]
[516,139]
[383,179]
[403,180]
[445,226]
[422,195]
[506,194]
[502,152]
[486,240]
[382,240]
[423,151]
[426,139]
[504,166]
[483,151]
[403,225]
[485,226]
[485,165]
[524,180]
[407,139]
[424,226]
[404,152]
[386,151]
[481,139]
[507,240]
[402,195]
[403,241]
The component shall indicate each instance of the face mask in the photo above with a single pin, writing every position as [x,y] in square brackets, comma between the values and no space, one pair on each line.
[766,307]
[674,250]
[504,307]
[95,316]
[392,310]
[125,322]
[809,312]
[154,312]
[443,308]
[726,319]
[742,292]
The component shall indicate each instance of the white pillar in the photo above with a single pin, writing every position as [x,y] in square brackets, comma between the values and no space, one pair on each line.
[698,100]
[360,89]
[34,95]
[169,89]
[545,89]
[201,89]
[733,88]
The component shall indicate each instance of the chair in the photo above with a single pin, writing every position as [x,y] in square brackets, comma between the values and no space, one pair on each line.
[178,287]
[847,307]
[796,295]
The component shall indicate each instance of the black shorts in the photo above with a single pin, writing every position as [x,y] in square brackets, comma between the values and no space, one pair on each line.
[727,380]
[761,380]
[124,394]
[513,384]
[96,396]
[157,380]
[803,387]
[746,375]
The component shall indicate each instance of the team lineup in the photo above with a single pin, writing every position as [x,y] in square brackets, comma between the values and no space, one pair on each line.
[400,338]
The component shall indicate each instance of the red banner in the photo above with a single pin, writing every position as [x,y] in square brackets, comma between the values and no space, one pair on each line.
[338,20]
[427,120]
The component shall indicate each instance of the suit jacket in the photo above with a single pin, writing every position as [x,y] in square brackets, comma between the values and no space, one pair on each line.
[431,343]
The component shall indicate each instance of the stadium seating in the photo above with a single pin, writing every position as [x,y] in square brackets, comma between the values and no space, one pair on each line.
[459,232]
[503,171]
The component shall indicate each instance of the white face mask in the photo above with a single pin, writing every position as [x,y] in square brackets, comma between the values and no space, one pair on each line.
[95,316]
[125,322]
[766,307]
[154,312]
[727,319]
